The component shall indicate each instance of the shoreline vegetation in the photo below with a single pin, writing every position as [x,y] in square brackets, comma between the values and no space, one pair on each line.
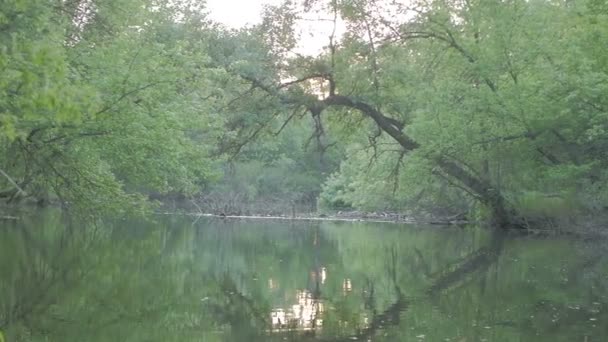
[586,229]
[585,225]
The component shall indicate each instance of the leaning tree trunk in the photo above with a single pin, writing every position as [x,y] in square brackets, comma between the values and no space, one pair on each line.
[502,216]
[482,189]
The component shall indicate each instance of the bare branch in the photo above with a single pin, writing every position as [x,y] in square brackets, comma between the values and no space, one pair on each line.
[78,135]
[127,94]
[332,50]
[293,114]
[12,181]
[525,135]
[303,79]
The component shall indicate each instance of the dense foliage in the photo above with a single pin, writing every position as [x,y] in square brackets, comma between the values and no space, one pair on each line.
[101,102]
[496,109]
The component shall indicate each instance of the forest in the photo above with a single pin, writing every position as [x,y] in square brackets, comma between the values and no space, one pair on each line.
[493,111]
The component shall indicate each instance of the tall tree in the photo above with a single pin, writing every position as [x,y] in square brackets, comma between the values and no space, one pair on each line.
[468,87]
[103,101]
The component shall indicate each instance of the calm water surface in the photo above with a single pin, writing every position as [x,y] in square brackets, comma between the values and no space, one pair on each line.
[177,279]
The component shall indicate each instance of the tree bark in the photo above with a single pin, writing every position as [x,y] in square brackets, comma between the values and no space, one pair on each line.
[488,195]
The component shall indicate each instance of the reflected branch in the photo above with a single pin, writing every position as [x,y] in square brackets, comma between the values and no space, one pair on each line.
[478,261]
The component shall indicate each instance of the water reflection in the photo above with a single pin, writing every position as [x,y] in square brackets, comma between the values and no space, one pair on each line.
[347,286]
[306,314]
[265,281]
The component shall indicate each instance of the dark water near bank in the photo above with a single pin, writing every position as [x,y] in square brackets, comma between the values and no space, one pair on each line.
[219,280]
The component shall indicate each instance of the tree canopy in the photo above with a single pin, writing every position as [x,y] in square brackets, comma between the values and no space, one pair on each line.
[479,108]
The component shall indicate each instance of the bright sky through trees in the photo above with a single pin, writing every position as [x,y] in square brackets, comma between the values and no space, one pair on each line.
[314,34]
[238,13]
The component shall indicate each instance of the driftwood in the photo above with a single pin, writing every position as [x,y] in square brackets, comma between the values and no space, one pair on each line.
[9,218]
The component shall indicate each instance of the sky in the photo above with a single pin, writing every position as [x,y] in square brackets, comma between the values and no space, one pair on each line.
[238,13]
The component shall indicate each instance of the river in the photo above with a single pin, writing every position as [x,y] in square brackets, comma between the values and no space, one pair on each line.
[181,278]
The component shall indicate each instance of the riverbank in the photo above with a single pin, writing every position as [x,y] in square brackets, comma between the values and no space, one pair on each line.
[351,216]
[585,227]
